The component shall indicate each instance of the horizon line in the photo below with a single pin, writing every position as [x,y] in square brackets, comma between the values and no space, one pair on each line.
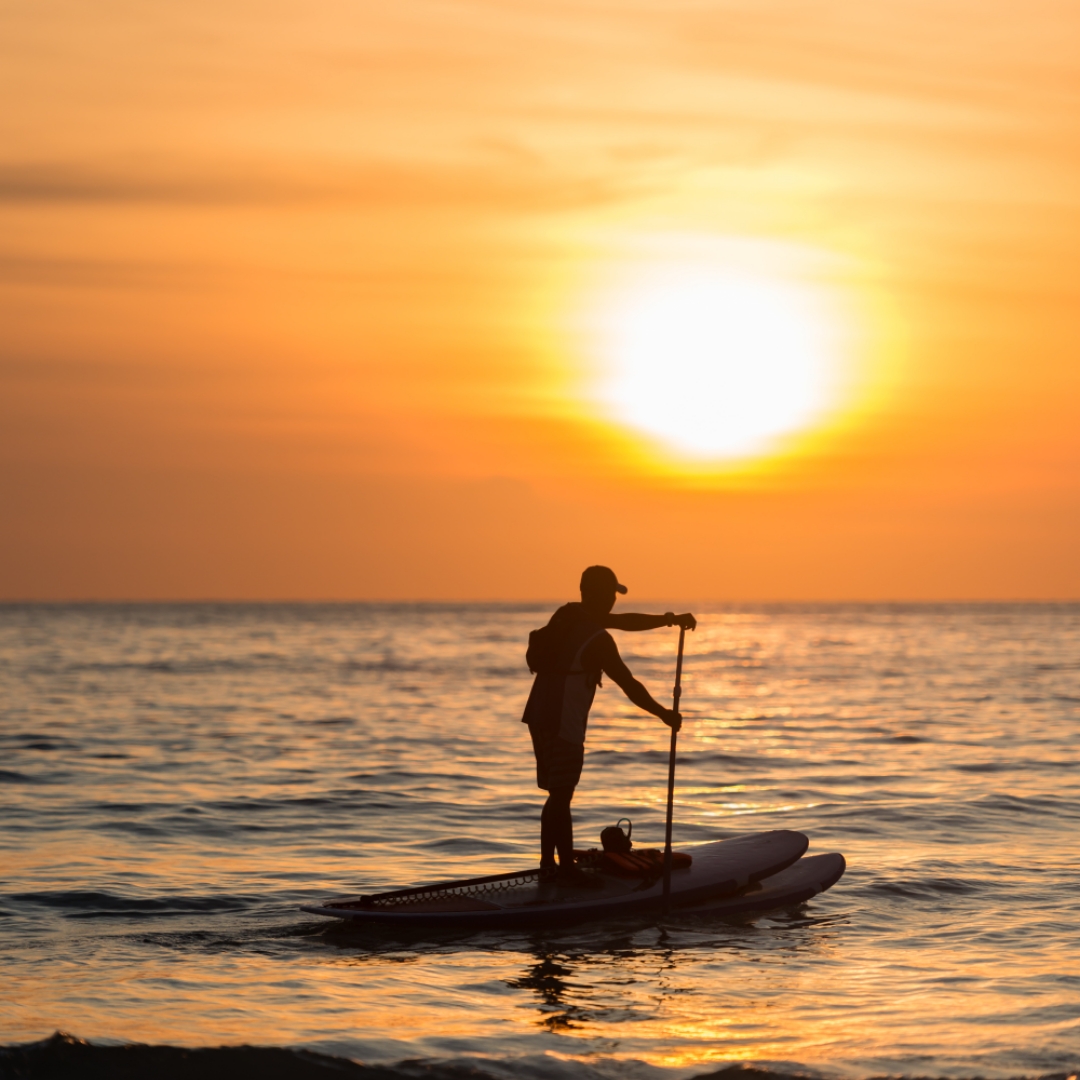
[532,601]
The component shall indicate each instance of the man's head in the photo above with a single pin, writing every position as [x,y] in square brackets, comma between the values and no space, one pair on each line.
[598,588]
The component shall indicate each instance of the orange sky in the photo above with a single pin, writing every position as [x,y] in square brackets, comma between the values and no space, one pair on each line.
[288,292]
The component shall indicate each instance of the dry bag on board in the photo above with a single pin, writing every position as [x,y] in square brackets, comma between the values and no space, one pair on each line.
[614,839]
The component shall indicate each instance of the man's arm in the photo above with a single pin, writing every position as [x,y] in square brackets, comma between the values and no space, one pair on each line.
[632,620]
[614,667]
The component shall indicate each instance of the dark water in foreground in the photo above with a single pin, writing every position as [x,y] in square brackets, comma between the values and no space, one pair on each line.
[176,780]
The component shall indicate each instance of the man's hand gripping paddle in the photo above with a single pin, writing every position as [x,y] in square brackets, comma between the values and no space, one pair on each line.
[677,694]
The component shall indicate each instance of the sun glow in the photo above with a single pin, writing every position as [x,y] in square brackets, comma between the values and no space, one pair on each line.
[719,360]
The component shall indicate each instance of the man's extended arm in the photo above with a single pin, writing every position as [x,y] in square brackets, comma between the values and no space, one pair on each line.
[620,674]
[632,620]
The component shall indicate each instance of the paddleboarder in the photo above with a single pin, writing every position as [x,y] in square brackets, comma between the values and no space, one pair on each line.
[569,656]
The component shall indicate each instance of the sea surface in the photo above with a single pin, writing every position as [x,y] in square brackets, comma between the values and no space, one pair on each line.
[176,780]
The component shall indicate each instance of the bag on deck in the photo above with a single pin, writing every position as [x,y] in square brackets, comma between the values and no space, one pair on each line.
[619,857]
[614,839]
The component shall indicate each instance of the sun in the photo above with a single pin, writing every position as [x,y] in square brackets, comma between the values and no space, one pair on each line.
[718,360]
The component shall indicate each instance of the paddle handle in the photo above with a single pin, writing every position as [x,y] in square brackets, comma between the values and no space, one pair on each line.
[676,695]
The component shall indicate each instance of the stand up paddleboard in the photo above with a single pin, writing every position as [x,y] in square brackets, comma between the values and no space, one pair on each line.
[800,882]
[741,869]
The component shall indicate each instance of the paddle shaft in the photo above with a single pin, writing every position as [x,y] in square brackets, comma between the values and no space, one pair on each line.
[676,695]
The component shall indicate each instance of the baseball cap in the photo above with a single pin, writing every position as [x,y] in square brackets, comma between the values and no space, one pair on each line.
[600,577]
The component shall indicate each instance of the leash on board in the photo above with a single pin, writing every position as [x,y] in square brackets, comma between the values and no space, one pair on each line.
[676,695]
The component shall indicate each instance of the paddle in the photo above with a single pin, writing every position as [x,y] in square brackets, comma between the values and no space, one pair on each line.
[671,775]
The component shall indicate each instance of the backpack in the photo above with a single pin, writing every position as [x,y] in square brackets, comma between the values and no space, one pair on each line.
[551,648]
[544,654]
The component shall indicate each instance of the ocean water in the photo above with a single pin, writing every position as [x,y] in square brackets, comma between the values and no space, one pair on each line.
[175,780]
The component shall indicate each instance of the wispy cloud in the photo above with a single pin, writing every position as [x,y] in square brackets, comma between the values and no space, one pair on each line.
[505,184]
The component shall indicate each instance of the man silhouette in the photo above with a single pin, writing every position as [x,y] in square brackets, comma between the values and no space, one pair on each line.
[569,656]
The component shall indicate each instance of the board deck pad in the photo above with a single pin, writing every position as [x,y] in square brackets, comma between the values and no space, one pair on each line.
[719,870]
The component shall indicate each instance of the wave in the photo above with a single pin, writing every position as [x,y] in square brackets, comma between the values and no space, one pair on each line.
[64,1056]
[84,904]
[9,776]
[260,663]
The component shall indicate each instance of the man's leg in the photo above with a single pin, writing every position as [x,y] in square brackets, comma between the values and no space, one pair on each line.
[557,829]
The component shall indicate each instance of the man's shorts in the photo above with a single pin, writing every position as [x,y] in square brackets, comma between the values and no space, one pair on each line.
[558,762]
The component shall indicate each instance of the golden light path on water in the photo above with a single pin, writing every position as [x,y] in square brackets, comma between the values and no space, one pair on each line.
[719,350]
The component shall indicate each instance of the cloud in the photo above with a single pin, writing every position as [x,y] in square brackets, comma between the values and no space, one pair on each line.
[508,183]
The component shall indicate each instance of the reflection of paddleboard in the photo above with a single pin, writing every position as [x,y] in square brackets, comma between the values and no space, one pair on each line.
[720,870]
